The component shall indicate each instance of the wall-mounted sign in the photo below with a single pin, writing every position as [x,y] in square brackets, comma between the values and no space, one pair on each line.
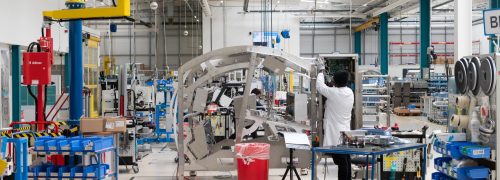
[491,19]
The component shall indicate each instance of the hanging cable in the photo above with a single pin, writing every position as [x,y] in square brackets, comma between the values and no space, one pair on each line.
[164,35]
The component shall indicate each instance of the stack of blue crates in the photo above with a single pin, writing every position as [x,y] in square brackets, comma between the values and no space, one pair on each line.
[459,150]
[72,146]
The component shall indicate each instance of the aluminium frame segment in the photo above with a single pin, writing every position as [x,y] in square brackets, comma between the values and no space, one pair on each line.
[204,65]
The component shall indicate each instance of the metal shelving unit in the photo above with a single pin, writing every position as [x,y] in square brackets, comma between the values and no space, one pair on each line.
[70,172]
[376,98]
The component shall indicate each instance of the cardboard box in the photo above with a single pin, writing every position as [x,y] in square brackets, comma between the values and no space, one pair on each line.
[401,110]
[89,125]
[115,124]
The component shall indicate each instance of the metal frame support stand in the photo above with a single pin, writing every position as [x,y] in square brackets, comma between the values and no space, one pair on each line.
[21,149]
[291,168]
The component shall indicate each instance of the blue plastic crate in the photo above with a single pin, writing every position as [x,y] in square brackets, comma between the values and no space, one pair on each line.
[476,151]
[442,160]
[38,170]
[440,176]
[64,171]
[52,171]
[103,168]
[475,172]
[62,144]
[99,143]
[50,145]
[76,171]
[40,142]
[89,171]
[75,145]
[453,148]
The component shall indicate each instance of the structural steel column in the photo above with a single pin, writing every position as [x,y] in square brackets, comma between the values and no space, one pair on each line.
[493,5]
[16,83]
[357,45]
[76,83]
[463,29]
[384,43]
[425,33]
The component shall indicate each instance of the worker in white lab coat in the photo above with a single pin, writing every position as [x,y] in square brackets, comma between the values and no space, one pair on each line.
[337,117]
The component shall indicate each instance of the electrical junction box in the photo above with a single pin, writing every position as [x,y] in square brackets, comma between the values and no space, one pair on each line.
[37,68]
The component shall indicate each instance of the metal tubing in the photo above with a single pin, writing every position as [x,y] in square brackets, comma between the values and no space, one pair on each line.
[76,83]
[41,107]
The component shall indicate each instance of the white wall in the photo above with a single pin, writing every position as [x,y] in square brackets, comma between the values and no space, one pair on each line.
[478,35]
[337,40]
[397,70]
[22,20]
[179,49]
[238,25]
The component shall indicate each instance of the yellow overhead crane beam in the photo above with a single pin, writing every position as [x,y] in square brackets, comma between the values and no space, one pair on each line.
[367,24]
[121,10]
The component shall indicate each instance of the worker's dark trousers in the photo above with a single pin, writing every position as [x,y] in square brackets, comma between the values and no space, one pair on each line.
[344,163]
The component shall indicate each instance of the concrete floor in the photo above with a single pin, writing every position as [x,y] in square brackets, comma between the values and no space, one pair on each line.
[160,163]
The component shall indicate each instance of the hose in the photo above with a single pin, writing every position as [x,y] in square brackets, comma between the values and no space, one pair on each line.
[32,44]
[45,104]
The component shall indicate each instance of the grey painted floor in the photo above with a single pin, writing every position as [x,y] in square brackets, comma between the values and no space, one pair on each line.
[160,164]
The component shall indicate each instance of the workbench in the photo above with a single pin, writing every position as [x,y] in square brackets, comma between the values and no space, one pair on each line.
[368,151]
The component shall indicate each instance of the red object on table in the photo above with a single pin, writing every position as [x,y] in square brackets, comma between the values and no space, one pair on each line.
[252,161]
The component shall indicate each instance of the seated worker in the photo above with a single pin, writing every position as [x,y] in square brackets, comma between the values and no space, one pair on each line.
[337,118]
[258,105]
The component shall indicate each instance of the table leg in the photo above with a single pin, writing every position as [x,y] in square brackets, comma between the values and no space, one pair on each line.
[373,167]
[366,167]
[424,165]
[313,169]
[380,166]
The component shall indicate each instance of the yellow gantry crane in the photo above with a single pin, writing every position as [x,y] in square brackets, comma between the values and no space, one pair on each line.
[121,9]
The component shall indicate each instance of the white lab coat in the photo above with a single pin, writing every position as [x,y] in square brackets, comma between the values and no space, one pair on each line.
[338,108]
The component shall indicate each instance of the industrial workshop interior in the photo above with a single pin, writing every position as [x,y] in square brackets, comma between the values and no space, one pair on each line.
[249,89]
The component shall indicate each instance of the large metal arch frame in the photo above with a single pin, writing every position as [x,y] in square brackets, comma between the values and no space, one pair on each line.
[218,63]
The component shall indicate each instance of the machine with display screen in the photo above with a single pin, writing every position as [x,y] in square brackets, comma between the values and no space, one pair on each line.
[348,63]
